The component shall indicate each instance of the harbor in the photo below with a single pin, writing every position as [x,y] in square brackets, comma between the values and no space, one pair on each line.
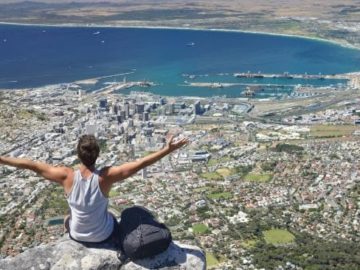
[275,84]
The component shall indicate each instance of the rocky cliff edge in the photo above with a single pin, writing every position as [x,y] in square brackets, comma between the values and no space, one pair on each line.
[67,254]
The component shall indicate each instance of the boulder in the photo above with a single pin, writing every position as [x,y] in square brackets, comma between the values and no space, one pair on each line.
[67,254]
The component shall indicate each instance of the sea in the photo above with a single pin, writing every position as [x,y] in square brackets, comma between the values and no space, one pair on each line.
[34,56]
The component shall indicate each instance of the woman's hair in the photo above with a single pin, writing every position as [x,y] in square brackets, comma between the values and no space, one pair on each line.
[88,150]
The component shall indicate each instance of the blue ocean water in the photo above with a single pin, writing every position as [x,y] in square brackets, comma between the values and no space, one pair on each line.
[32,56]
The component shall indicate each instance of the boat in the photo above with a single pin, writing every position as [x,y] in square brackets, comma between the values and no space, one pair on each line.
[249,92]
[145,83]
[241,75]
[258,75]
[96,33]
[190,44]
[286,75]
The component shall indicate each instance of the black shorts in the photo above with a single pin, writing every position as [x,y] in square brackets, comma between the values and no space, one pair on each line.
[112,241]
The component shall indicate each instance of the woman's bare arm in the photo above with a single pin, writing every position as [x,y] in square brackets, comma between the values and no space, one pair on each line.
[118,173]
[55,174]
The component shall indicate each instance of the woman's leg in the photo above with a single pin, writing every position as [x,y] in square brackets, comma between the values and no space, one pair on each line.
[115,235]
[66,224]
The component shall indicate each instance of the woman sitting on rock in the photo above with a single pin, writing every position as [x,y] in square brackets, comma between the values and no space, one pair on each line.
[87,188]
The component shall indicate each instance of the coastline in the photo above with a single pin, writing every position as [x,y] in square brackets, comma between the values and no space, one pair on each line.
[89,28]
[334,42]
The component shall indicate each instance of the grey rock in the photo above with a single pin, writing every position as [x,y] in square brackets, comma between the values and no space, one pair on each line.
[67,254]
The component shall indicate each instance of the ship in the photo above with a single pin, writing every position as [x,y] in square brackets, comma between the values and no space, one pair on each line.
[258,76]
[249,92]
[249,75]
[287,75]
[145,83]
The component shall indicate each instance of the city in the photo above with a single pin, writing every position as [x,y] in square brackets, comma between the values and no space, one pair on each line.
[257,173]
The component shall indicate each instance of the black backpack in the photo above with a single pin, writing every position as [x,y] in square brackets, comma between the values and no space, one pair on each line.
[141,236]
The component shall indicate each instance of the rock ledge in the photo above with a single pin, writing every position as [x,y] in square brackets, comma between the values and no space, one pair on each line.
[67,254]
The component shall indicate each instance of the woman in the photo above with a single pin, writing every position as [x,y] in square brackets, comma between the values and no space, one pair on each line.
[87,188]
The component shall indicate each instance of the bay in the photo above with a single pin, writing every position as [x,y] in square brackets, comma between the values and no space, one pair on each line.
[33,56]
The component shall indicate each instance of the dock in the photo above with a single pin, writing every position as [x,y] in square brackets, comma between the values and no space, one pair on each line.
[287,75]
[224,85]
[114,86]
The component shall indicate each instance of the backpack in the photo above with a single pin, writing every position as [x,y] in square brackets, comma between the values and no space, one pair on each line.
[141,236]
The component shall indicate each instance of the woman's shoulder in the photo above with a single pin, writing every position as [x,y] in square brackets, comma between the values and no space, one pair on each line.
[105,184]
[69,182]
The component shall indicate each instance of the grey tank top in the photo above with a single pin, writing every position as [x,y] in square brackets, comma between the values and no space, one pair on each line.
[89,220]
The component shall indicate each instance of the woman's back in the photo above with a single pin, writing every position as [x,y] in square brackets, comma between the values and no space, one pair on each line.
[89,220]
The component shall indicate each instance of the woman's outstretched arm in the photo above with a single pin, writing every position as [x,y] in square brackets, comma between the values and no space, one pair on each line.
[56,174]
[118,173]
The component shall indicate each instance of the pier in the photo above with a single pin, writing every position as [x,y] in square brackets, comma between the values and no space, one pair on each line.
[224,85]
[114,86]
[287,75]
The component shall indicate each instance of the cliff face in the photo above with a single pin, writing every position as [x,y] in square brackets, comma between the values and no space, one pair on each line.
[67,254]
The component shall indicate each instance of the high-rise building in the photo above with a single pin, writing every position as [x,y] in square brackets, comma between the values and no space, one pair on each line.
[123,115]
[127,109]
[139,108]
[197,108]
[80,94]
[116,109]
[162,101]
[131,123]
[119,119]
[146,117]
[103,103]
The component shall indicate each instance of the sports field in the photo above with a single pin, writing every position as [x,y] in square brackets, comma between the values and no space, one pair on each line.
[200,228]
[329,131]
[278,236]
[218,195]
[257,177]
